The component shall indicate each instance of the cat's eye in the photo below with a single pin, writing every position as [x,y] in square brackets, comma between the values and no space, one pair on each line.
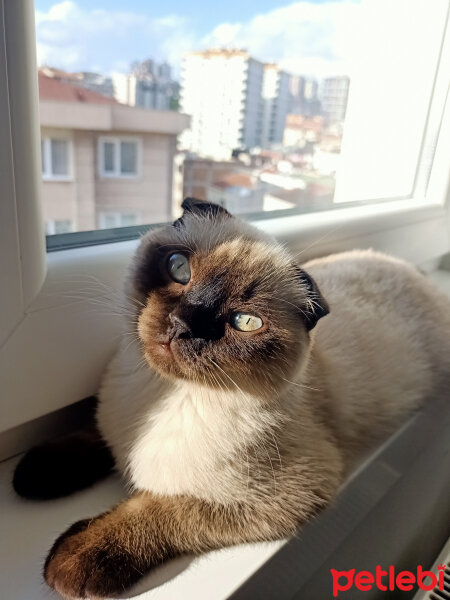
[178,268]
[245,322]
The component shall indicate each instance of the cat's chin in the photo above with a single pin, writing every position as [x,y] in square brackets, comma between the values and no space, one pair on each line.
[164,358]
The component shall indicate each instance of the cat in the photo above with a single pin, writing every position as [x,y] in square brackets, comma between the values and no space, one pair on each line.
[246,390]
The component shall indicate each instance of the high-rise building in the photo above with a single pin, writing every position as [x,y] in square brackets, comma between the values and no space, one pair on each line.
[296,94]
[148,85]
[222,91]
[304,99]
[275,105]
[334,96]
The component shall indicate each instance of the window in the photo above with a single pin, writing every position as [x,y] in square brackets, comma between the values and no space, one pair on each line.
[117,219]
[347,115]
[61,226]
[385,136]
[118,157]
[55,154]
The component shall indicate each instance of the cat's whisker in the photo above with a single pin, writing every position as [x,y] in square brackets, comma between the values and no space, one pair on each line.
[263,440]
[301,385]
[319,239]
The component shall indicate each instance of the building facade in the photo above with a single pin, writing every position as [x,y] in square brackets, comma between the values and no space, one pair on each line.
[334,95]
[276,96]
[104,164]
[149,85]
[304,96]
[222,91]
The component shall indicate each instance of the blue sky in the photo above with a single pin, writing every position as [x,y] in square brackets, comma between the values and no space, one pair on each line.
[308,36]
[202,14]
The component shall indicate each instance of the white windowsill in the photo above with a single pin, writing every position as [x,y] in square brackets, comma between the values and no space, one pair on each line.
[117,176]
[59,178]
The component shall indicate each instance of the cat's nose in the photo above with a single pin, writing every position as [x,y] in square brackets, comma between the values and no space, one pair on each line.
[179,328]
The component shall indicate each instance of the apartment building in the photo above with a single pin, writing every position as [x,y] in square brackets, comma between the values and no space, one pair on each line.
[276,99]
[148,85]
[104,164]
[222,91]
[304,96]
[334,95]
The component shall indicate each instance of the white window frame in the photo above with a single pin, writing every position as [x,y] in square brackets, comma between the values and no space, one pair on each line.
[47,172]
[53,345]
[116,140]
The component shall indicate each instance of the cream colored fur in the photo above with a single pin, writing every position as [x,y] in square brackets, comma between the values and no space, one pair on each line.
[383,349]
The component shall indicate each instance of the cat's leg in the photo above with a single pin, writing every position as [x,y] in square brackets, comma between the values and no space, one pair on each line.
[102,557]
[63,465]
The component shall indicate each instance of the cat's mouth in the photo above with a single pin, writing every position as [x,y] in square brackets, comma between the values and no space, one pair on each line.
[166,346]
[168,356]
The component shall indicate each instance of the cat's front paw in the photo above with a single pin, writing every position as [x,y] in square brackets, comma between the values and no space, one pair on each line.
[90,561]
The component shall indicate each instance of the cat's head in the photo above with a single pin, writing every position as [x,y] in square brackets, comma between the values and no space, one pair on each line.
[221,303]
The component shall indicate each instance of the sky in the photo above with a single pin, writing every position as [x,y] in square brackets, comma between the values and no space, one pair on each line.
[309,37]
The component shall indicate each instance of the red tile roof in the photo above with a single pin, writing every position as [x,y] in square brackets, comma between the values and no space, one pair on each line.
[59,74]
[304,123]
[53,89]
[233,179]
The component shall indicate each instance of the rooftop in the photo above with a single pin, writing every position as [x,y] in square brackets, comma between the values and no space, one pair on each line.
[51,88]
[233,179]
[301,122]
[223,52]
[68,106]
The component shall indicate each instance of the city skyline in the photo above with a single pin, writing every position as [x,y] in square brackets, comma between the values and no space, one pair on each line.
[305,38]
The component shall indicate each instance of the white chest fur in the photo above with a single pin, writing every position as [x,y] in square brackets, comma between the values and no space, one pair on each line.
[180,438]
[187,439]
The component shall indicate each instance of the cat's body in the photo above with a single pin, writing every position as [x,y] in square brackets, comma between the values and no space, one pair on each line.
[370,365]
[232,416]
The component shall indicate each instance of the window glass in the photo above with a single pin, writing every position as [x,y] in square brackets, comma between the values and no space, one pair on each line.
[277,106]
[58,226]
[108,220]
[128,158]
[109,157]
[64,226]
[129,219]
[60,157]
[55,159]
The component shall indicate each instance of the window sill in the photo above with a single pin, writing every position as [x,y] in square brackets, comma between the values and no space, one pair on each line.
[52,178]
[115,177]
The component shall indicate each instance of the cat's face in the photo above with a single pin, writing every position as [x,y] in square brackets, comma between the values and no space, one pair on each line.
[223,304]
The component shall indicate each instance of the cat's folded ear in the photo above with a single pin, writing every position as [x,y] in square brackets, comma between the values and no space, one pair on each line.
[203,208]
[315,306]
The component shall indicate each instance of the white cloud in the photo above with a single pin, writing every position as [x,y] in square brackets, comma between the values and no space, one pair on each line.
[76,39]
[303,37]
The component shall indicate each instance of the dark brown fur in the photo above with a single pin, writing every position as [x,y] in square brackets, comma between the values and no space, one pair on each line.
[63,465]
[104,556]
